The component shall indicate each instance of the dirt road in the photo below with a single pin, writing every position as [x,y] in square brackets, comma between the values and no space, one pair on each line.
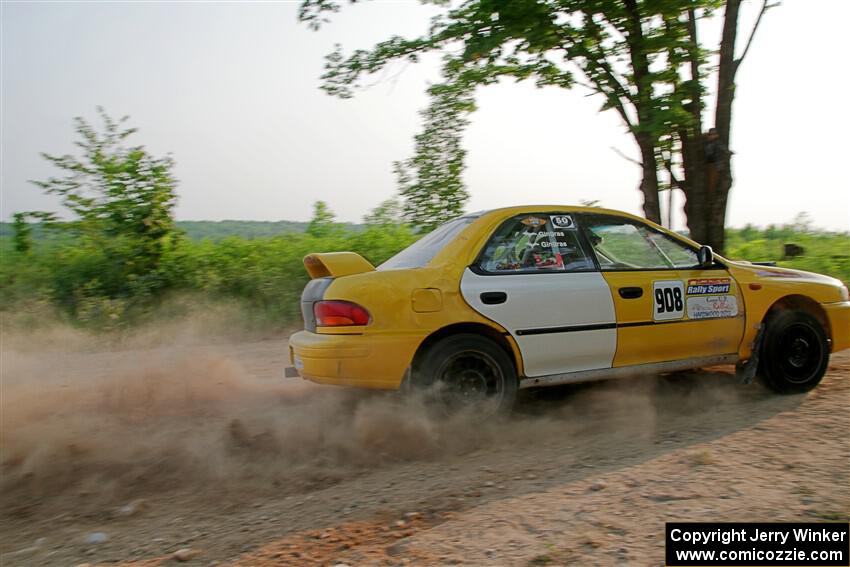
[126,455]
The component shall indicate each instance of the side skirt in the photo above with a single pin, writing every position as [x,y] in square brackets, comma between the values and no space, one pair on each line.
[627,371]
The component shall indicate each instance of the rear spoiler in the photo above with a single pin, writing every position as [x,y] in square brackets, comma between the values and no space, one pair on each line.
[336,264]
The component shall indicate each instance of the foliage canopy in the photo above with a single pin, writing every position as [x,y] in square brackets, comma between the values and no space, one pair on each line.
[642,56]
[122,199]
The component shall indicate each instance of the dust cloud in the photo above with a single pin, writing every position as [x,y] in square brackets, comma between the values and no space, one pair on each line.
[118,423]
[210,416]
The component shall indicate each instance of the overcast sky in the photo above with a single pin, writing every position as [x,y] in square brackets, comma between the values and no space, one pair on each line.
[231,91]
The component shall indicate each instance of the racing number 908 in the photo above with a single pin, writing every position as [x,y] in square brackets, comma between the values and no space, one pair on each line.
[669,298]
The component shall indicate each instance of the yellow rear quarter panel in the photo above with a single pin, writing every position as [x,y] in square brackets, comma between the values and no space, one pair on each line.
[406,306]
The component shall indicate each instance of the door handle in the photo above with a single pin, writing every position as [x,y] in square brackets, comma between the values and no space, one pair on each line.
[630,292]
[493,297]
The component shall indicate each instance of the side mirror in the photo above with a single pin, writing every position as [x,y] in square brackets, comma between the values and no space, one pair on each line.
[705,256]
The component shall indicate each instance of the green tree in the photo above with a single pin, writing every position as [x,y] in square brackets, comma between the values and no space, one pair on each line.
[122,200]
[643,57]
[322,224]
[22,235]
[22,231]
[388,212]
[385,232]
[431,181]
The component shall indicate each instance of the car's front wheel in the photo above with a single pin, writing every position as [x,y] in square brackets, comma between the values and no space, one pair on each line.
[795,352]
[467,373]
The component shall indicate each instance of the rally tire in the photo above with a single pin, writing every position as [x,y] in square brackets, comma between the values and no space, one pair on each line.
[795,352]
[466,373]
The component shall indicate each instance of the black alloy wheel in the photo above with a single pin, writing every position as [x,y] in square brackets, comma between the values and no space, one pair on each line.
[795,352]
[467,373]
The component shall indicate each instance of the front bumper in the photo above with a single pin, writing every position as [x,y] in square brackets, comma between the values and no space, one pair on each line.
[839,324]
[361,360]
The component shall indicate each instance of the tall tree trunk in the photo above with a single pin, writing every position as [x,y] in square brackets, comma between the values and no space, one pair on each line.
[727,68]
[649,181]
[695,182]
[695,185]
[717,212]
[645,139]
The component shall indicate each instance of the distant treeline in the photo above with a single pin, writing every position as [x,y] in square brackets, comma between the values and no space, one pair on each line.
[209,230]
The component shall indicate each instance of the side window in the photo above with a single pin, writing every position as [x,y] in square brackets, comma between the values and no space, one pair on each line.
[621,244]
[535,243]
[677,253]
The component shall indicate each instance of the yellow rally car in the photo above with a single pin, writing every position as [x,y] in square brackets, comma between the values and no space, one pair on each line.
[541,295]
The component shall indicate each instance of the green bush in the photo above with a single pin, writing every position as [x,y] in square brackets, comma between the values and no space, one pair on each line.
[98,286]
[824,252]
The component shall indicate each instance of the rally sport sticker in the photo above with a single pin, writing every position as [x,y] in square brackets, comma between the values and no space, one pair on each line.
[713,286]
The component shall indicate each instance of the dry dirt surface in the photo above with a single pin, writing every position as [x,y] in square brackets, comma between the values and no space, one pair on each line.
[174,450]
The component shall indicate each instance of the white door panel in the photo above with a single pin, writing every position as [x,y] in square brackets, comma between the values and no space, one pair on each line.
[556,353]
[562,322]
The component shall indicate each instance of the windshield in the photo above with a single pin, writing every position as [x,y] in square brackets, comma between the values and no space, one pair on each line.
[418,254]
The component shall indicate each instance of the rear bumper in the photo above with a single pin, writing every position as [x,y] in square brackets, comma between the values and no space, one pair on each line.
[839,324]
[363,360]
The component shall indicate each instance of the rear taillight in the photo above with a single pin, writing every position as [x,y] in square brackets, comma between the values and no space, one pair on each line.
[339,314]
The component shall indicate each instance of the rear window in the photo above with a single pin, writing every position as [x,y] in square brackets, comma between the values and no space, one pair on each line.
[418,254]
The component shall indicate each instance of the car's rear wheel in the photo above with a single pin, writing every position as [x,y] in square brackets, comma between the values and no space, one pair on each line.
[795,352]
[467,373]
